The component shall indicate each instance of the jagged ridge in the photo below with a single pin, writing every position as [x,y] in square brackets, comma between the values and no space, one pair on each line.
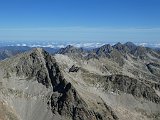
[65,100]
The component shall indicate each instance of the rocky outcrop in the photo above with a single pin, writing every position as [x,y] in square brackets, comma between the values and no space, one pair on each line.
[154,68]
[73,69]
[121,83]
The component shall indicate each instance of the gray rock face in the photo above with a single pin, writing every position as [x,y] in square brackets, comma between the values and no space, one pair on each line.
[125,76]
[131,86]
[154,68]
[104,49]
[74,69]
[50,90]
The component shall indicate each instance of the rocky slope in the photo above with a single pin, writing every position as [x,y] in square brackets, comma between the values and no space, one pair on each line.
[125,76]
[107,83]
[33,86]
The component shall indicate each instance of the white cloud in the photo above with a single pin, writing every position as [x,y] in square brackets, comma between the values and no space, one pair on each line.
[143,44]
[87,45]
[35,45]
[156,45]
[18,45]
[50,46]
[24,44]
[61,46]
[79,45]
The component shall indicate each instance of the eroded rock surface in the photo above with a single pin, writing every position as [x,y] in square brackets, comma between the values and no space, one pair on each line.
[35,80]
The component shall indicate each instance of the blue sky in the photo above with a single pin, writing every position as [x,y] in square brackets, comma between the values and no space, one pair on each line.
[80,20]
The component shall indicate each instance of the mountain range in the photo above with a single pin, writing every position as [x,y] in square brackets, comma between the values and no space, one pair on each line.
[112,82]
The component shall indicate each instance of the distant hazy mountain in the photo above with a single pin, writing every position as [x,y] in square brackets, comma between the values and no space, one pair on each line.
[157,49]
[9,51]
[69,49]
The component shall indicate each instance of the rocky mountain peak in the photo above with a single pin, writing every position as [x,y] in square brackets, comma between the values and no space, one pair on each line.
[38,50]
[118,45]
[70,49]
[107,48]
[103,50]
[36,69]
[121,47]
[130,45]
